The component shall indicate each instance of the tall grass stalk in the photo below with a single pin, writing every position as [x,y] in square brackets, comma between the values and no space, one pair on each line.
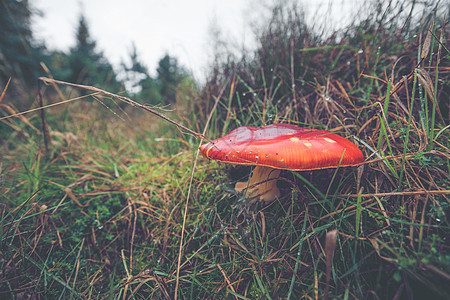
[408,129]
[372,79]
[436,79]
[383,119]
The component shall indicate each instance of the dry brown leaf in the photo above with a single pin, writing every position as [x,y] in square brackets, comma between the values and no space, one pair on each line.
[330,246]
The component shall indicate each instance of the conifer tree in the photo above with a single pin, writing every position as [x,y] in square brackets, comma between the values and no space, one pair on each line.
[19,53]
[87,64]
[170,74]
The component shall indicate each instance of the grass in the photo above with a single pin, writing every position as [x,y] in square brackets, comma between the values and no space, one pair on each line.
[102,212]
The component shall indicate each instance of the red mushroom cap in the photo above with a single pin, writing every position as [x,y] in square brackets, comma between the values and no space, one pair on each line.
[284,146]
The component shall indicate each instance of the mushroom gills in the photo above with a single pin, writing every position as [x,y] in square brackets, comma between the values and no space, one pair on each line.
[262,184]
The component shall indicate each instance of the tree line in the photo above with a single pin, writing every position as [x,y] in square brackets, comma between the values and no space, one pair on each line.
[21,55]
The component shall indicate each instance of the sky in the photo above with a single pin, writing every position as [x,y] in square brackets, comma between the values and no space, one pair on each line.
[180,28]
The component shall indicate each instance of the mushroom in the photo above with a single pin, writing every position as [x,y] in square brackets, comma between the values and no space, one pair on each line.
[280,146]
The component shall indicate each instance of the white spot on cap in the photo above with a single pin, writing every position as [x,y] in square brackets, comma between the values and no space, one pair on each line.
[307,144]
[294,139]
[329,140]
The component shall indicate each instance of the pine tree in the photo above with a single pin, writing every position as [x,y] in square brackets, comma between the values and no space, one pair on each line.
[89,66]
[19,53]
[170,74]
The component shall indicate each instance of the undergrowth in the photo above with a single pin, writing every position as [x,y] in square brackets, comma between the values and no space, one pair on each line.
[94,208]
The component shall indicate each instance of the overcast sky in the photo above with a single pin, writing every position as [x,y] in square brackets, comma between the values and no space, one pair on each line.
[181,28]
[178,27]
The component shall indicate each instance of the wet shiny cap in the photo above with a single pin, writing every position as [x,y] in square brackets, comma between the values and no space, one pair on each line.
[284,146]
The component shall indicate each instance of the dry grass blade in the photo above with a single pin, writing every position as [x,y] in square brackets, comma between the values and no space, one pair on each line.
[47,138]
[426,81]
[4,90]
[377,248]
[162,286]
[20,114]
[12,111]
[126,100]
[227,279]
[49,74]
[427,43]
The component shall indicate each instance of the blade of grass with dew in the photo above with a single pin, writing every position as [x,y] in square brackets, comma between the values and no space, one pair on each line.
[427,44]
[372,78]
[382,157]
[423,111]
[436,80]
[382,119]
[408,129]
[274,93]
[264,101]
[336,60]
[331,182]
[239,103]
[228,107]
[255,105]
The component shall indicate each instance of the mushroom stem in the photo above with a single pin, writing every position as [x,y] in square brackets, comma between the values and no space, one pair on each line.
[262,184]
